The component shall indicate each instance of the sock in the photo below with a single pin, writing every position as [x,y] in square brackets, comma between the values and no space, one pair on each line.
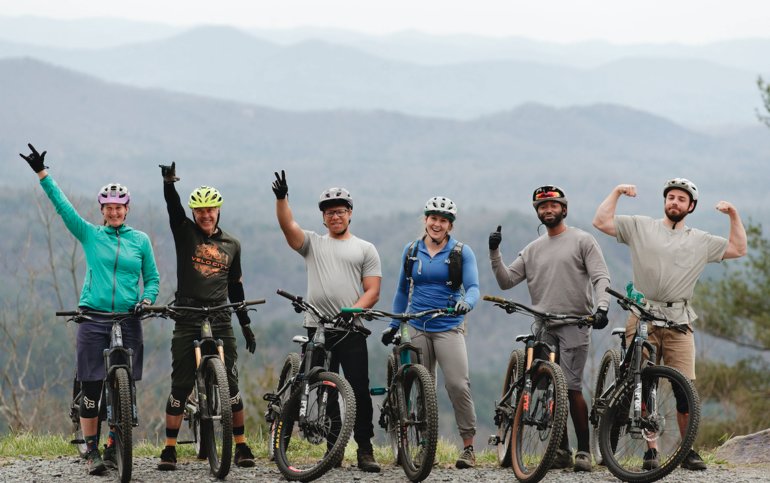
[238,434]
[171,435]
[92,442]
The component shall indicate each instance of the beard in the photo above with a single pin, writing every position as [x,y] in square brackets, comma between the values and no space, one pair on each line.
[554,222]
[675,217]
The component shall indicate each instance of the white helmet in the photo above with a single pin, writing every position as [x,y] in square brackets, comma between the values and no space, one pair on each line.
[332,196]
[685,185]
[440,205]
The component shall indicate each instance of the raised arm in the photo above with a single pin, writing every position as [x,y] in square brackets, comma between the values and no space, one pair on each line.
[736,243]
[290,228]
[176,214]
[604,219]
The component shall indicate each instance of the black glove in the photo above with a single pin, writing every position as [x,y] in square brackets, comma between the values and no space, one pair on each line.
[462,307]
[36,161]
[600,319]
[251,341]
[280,188]
[495,238]
[139,307]
[169,173]
[345,319]
[388,334]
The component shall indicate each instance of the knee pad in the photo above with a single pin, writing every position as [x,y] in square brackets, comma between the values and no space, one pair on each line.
[681,399]
[89,401]
[236,402]
[175,403]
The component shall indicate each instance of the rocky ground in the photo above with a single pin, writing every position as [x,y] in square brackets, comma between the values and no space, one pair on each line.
[72,469]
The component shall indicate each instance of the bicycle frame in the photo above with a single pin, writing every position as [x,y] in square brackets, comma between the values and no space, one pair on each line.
[118,356]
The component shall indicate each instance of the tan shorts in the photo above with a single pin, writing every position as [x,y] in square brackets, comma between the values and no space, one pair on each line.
[673,348]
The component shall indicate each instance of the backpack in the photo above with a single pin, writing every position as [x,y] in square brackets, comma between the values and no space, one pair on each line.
[455,264]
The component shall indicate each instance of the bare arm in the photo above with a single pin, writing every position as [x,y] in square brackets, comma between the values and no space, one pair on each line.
[371,292]
[736,243]
[604,219]
[291,229]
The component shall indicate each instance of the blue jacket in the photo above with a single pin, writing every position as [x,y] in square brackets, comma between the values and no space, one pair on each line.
[115,259]
[431,290]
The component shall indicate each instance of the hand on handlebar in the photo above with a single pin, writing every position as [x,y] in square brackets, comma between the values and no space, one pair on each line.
[388,335]
[462,307]
[139,307]
[600,319]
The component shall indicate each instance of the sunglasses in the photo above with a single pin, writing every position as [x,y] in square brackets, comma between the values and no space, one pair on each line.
[543,195]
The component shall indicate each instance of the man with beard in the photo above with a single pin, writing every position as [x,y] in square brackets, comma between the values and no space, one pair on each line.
[667,258]
[561,268]
[342,271]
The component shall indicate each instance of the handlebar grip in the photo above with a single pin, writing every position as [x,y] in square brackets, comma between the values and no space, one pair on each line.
[67,313]
[289,296]
[254,302]
[612,292]
[351,310]
[154,308]
[492,298]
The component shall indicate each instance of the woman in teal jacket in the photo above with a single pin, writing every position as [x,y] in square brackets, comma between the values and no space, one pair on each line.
[117,257]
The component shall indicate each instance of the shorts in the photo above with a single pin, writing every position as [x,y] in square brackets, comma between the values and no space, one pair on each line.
[571,344]
[672,347]
[94,337]
[183,355]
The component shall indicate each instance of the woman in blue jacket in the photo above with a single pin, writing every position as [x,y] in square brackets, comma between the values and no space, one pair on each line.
[434,281]
[117,257]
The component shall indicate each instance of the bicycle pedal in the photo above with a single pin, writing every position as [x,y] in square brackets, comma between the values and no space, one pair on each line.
[269,397]
[78,441]
[377,391]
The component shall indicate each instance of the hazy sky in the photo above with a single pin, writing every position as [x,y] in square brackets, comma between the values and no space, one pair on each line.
[620,21]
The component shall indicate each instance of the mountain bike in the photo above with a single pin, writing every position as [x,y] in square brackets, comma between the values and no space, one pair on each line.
[208,411]
[312,406]
[638,405]
[409,413]
[117,402]
[532,412]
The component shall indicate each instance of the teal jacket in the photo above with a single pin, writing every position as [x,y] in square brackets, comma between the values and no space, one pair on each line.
[116,258]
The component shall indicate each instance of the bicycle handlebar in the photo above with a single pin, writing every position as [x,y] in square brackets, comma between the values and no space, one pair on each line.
[301,305]
[370,314]
[644,312]
[513,307]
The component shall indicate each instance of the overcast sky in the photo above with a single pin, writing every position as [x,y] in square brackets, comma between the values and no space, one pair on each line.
[619,21]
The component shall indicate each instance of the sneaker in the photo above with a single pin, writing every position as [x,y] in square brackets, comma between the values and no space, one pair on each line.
[366,462]
[693,462]
[242,456]
[167,459]
[583,461]
[467,458]
[563,459]
[109,457]
[651,460]
[94,463]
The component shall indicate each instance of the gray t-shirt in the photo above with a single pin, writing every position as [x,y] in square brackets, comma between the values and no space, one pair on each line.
[667,263]
[335,269]
[561,272]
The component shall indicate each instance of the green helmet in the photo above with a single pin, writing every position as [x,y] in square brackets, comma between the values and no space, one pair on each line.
[205,197]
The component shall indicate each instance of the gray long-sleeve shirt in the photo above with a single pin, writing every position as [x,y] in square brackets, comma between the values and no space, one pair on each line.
[560,272]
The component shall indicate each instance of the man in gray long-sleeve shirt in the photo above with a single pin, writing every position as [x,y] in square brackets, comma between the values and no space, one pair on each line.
[561,269]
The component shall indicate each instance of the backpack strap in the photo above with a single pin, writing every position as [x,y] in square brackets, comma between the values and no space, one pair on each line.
[456,266]
[411,257]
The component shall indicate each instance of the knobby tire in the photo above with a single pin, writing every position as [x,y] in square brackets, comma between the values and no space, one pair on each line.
[291,366]
[217,426]
[419,422]
[507,407]
[122,407]
[608,373]
[533,450]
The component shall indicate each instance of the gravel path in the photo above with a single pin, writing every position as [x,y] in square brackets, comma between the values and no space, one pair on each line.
[72,469]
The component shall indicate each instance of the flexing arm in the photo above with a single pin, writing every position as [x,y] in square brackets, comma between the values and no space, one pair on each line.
[604,219]
[736,243]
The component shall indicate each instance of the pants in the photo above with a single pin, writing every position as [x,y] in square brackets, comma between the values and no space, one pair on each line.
[447,349]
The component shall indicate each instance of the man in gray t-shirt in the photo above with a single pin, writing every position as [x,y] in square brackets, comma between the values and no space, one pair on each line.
[342,271]
[563,269]
[667,258]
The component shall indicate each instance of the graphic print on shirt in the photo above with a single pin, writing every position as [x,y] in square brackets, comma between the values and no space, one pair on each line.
[208,260]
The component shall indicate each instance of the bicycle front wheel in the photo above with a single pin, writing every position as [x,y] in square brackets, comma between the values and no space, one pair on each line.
[539,423]
[306,448]
[122,408]
[607,375]
[507,406]
[290,369]
[668,399]
[418,421]
[216,424]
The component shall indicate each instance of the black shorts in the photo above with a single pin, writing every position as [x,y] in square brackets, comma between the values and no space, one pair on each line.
[183,355]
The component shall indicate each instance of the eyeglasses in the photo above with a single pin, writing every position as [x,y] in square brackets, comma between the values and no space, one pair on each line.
[333,213]
[548,194]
